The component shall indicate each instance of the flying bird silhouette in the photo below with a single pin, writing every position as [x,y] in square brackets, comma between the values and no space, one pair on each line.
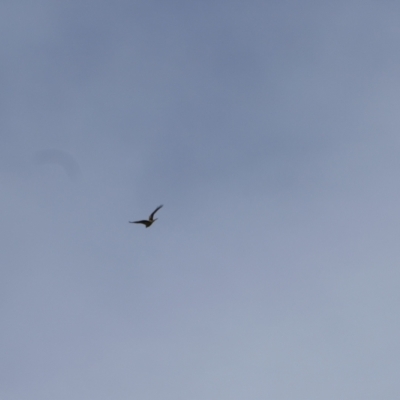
[147,222]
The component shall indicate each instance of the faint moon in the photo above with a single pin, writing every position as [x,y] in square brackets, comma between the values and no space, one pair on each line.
[61,158]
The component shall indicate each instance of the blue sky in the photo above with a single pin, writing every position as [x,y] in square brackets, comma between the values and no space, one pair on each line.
[269,131]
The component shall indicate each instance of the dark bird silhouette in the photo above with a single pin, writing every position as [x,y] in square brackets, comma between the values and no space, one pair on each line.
[147,222]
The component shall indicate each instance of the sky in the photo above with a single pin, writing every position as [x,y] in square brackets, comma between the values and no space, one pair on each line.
[269,130]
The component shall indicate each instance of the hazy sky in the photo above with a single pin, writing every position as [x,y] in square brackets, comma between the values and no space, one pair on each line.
[270,131]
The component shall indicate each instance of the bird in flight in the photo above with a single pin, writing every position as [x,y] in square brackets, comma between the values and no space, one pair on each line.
[147,222]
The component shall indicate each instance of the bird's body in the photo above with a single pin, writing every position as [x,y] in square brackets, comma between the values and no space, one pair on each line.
[147,222]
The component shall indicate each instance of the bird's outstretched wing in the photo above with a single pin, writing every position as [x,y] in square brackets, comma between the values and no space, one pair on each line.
[152,214]
[144,222]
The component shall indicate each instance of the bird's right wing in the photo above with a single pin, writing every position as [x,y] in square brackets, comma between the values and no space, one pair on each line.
[152,214]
